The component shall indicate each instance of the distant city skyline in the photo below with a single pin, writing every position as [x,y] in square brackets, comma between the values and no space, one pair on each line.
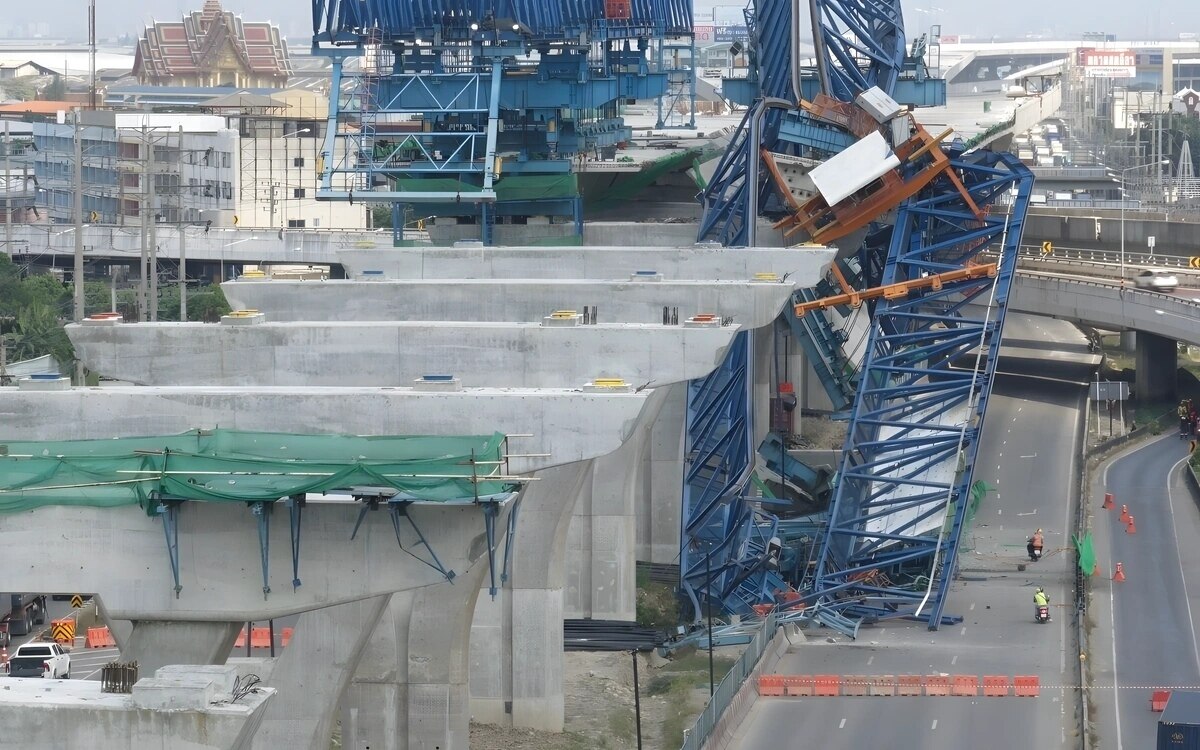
[1164,19]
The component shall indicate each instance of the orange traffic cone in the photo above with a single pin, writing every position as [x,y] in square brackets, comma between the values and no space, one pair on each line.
[1108,501]
[1120,574]
[1124,514]
[1130,528]
[1096,569]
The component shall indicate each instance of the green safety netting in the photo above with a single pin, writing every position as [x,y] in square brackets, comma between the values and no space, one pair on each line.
[236,466]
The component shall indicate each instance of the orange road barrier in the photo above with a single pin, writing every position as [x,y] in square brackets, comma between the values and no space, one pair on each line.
[937,684]
[1158,700]
[99,638]
[828,685]
[1120,574]
[855,685]
[909,684]
[1124,514]
[260,638]
[964,685]
[1130,528]
[4,655]
[799,686]
[770,684]
[884,685]
[996,686]
[1026,686]
[1108,501]
[285,636]
[1096,569]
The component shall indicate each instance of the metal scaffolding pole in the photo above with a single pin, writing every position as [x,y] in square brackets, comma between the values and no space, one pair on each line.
[8,216]
[153,217]
[77,214]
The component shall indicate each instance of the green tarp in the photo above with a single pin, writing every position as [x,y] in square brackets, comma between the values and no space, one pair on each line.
[1087,554]
[235,466]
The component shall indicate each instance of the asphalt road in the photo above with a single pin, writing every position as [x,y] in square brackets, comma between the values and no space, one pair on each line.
[1028,452]
[1151,613]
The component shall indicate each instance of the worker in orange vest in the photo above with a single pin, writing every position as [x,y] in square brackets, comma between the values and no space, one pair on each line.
[1034,546]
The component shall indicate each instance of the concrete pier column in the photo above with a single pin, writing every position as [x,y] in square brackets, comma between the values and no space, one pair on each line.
[312,674]
[658,517]
[1156,364]
[517,639]
[602,539]
[411,687]
[157,643]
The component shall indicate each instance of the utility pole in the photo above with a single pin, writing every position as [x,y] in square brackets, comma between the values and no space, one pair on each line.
[182,238]
[92,53]
[153,268]
[142,300]
[8,190]
[77,205]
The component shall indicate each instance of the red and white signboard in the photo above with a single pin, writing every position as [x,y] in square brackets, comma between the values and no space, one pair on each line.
[705,34]
[948,38]
[1108,63]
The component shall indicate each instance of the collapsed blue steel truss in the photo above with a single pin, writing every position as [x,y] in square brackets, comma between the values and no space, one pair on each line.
[864,43]
[726,551]
[860,44]
[903,487]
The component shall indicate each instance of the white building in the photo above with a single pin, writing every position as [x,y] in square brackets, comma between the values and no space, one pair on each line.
[194,160]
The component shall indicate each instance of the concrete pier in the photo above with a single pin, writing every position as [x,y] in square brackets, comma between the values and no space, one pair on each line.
[494,355]
[177,707]
[677,263]
[751,304]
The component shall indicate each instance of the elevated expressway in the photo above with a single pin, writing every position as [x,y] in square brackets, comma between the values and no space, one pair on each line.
[409,670]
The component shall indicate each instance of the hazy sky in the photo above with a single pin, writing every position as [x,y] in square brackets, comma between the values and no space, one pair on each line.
[1158,18]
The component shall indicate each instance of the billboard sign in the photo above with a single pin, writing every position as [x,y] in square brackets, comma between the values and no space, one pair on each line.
[948,38]
[732,34]
[705,34]
[1108,63]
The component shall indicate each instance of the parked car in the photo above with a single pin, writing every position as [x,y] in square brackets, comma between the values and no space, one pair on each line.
[40,660]
[1157,279]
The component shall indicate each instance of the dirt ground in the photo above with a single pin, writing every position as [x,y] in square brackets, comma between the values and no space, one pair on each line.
[598,693]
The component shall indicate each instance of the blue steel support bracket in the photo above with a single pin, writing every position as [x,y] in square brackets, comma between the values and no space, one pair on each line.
[509,540]
[261,510]
[368,504]
[489,527]
[398,509]
[295,505]
[168,508]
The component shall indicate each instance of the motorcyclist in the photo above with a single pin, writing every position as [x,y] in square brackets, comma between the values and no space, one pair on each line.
[1041,599]
[1034,545]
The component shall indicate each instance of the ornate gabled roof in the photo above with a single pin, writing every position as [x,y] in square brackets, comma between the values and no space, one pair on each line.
[195,44]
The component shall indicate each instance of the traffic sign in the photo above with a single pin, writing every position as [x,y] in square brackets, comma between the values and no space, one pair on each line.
[1150,242]
[1194,261]
[76,601]
[1047,248]
[1109,390]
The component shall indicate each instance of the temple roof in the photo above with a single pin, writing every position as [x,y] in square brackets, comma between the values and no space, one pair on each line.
[195,44]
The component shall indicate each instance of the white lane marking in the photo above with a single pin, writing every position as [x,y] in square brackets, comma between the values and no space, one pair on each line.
[1031,513]
[869,660]
[1178,559]
[934,724]
[842,724]
[972,607]
[1030,456]
[954,660]
[963,631]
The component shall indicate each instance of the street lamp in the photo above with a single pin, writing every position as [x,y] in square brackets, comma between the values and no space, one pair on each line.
[1123,199]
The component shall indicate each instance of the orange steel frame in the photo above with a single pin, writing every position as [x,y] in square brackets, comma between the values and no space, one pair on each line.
[826,224]
[897,290]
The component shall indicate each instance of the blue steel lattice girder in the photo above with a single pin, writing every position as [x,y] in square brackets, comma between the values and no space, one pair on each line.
[908,355]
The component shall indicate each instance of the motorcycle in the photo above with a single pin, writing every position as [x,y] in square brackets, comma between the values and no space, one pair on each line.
[1035,553]
[1043,614]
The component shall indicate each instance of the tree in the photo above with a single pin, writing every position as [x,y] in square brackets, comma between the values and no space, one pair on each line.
[381,216]
[207,306]
[56,90]
[37,331]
